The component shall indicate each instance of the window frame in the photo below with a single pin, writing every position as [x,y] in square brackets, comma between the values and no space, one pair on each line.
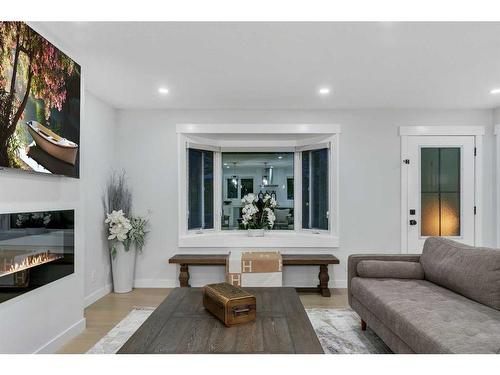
[332,148]
[184,181]
[226,190]
[312,147]
[240,186]
[239,192]
[202,150]
[302,140]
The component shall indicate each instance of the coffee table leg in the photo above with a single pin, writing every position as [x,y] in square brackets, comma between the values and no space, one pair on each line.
[323,280]
[184,276]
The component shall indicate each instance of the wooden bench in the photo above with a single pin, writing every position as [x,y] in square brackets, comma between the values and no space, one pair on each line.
[321,260]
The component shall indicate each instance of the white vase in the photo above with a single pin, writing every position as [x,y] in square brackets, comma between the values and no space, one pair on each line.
[256,232]
[123,268]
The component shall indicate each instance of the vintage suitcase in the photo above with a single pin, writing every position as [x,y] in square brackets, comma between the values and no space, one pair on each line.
[228,303]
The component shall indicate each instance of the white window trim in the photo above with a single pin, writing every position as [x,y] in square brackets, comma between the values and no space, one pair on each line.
[497,182]
[306,134]
[478,132]
[441,130]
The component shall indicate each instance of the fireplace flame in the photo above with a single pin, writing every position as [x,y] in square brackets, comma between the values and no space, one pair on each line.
[32,261]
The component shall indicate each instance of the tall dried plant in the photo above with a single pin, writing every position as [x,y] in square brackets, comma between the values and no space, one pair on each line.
[117,196]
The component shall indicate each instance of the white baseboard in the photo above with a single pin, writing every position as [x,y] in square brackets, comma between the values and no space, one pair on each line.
[97,295]
[57,342]
[155,283]
[338,284]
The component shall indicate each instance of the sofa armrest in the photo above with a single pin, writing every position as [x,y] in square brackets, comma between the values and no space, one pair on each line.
[353,260]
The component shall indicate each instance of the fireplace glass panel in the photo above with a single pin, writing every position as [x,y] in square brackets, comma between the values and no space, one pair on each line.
[36,248]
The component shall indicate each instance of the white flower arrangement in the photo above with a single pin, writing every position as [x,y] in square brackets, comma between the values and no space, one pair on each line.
[255,218]
[128,231]
[119,225]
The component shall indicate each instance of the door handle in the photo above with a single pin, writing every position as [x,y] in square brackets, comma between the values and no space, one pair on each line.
[413,222]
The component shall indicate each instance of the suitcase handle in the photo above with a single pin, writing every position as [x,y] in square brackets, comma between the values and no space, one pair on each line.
[241,310]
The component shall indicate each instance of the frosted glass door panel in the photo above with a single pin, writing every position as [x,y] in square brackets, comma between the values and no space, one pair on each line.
[440,191]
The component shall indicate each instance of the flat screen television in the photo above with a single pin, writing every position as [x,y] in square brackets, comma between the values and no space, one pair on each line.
[39,103]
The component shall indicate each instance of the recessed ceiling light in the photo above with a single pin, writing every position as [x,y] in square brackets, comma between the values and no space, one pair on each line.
[324,91]
[225,163]
[495,91]
[163,90]
[280,157]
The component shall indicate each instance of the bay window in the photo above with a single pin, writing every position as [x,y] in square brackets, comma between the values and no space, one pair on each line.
[299,171]
[256,173]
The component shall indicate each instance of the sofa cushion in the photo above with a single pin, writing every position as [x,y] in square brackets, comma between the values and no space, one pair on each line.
[429,318]
[471,271]
[390,269]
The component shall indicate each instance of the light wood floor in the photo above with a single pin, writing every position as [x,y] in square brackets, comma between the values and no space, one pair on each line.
[104,314]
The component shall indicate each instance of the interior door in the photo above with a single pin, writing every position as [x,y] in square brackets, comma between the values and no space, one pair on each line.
[440,189]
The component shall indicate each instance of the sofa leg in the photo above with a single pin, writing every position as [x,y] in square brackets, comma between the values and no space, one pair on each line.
[363,325]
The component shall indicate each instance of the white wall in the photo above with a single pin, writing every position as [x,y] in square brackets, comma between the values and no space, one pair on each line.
[100,129]
[31,321]
[369,180]
[496,115]
[45,318]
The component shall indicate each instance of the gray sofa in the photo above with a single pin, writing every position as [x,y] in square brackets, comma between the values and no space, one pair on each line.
[446,300]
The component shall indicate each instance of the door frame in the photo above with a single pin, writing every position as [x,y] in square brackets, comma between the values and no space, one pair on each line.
[497,182]
[477,132]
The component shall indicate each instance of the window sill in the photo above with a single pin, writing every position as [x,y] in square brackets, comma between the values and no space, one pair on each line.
[271,239]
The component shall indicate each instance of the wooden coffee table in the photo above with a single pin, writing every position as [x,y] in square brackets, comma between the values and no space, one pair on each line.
[182,325]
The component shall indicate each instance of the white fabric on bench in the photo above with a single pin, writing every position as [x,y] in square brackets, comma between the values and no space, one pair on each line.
[255,269]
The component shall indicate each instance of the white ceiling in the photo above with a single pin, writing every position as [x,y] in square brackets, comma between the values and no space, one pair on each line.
[282,65]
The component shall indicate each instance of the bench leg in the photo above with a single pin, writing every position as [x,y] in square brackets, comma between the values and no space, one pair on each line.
[184,276]
[363,325]
[323,280]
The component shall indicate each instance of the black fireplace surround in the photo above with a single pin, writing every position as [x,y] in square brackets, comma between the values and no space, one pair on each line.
[36,248]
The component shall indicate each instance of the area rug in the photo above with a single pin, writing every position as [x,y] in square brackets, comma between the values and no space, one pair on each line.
[338,330]
[120,333]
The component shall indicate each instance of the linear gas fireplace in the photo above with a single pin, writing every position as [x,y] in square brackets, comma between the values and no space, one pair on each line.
[36,248]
